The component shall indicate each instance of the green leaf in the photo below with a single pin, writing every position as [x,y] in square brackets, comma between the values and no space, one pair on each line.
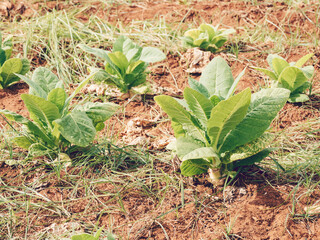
[211,30]
[251,148]
[152,55]
[119,60]
[201,153]
[217,77]
[178,129]
[258,157]
[41,110]
[199,105]
[279,64]
[96,51]
[227,115]
[23,142]
[267,72]
[77,128]
[45,80]
[33,129]
[98,112]
[264,107]
[3,57]
[298,97]
[8,70]
[58,97]
[194,167]
[177,113]
[25,66]
[192,33]
[270,59]
[308,71]
[185,145]
[34,88]
[303,60]
[195,85]
[292,78]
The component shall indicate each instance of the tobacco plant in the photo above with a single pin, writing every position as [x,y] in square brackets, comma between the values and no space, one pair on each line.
[125,67]
[216,131]
[206,37]
[291,75]
[9,67]
[56,125]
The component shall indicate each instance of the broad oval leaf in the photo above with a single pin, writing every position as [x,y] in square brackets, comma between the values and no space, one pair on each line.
[253,159]
[58,97]
[152,55]
[98,112]
[217,77]
[195,85]
[303,60]
[292,78]
[227,115]
[185,145]
[8,71]
[77,128]
[41,110]
[264,107]
[279,64]
[194,167]
[201,153]
[46,80]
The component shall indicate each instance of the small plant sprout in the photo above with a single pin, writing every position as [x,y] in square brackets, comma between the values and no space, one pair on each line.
[10,66]
[291,75]
[55,125]
[206,37]
[216,131]
[125,66]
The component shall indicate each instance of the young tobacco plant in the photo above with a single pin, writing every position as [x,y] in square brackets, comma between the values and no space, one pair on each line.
[9,67]
[125,66]
[206,37]
[56,125]
[217,131]
[291,75]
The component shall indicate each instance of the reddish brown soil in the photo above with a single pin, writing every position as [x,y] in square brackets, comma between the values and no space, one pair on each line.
[252,209]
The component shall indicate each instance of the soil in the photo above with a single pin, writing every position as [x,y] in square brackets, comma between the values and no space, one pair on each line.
[251,208]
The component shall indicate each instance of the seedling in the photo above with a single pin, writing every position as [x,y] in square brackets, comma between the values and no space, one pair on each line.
[9,67]
[206,37]
[125,66]
[291,75]
[217,131]
[56,125]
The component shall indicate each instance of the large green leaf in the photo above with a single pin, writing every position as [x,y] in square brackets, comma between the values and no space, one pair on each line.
[194,84]
[177,113]
[201,153]
[199,105]
[25,66]
[152,55]
[251,148]
[298,97]
[77,128]
[44,79]
[41,110]
[34,88]
[217,77]
[98,112]
[279,64]
[308,71]
[119,60]
[58,97]
[292,78]
[264,107]
[8,71]
[194,167]
[253,159]
[270,60]
[227,115]
[185,145]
